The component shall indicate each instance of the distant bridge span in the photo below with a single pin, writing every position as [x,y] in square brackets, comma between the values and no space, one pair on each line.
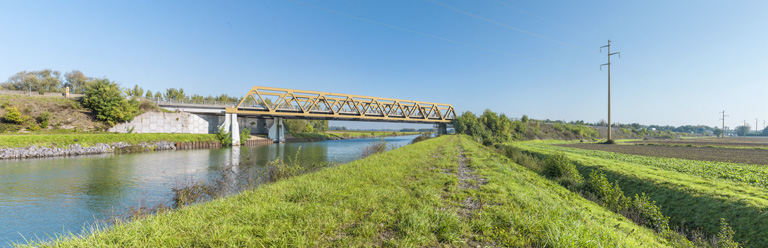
[275,104]
[279,102]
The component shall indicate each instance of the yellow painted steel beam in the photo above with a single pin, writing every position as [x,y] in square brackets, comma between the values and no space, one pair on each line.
[326,105]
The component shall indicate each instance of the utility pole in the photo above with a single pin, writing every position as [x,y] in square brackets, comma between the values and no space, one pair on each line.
[723,134]
[609,83]
[755,124]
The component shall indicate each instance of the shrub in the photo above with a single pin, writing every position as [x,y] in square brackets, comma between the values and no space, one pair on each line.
[245,134]
[609,194]
[420,138]
[13,115]
[375,147]
[105,99]
[33,127]
[45,117]
[645,212]
[725,236]
[224,137]
[559,167]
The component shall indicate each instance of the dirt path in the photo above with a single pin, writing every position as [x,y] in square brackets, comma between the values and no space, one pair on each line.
[465,174]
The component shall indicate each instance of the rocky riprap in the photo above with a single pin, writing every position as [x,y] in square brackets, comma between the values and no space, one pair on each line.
[77,149]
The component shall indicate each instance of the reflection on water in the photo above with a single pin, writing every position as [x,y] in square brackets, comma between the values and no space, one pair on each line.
[45,197]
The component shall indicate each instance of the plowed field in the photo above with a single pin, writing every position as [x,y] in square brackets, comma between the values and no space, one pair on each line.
[732,155]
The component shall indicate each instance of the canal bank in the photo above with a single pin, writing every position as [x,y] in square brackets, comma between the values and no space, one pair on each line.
[60,145]
[448,191]
[45,197]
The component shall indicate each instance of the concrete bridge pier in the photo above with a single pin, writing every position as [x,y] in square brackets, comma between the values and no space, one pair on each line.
[442,128]
[277,130]
[235,130]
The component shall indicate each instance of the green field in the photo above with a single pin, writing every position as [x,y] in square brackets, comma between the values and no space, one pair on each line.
[64,140]
[695,194]
[447,191]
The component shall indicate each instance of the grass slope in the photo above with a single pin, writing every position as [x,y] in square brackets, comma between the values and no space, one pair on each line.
[689,199]
[418,195]
[64,140]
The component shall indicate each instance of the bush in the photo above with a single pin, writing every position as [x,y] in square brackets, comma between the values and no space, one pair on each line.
[33,127]
[45,117]
[609,194]
[375,147]
[105,99]
[645,212]
[421,137]
[13,115]
[224,137]
[559,167]
[245,134]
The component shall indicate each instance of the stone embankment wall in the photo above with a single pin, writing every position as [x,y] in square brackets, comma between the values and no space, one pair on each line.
[77,149]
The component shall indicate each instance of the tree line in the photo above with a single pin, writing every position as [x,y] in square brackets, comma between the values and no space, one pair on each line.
[51,81]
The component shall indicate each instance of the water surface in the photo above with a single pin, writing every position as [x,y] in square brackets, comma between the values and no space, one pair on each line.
[42,198]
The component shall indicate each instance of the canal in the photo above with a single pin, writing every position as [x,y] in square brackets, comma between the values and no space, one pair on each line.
[42,198]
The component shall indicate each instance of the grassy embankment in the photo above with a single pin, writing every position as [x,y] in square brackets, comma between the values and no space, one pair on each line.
[64,140]
[444,191]
[694,194]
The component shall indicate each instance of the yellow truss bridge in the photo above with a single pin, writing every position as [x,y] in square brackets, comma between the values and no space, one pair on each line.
[279,102]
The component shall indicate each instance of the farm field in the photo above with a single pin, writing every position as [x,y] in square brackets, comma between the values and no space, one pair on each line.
[718,154]
[752,142]
[693,193]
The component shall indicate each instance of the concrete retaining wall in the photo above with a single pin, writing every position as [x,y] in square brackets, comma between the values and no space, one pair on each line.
[159,122]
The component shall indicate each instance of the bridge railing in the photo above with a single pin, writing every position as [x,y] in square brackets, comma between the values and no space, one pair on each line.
[196,102]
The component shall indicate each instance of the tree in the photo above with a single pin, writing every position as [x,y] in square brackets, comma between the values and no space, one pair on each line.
[76,81]
[743,130]
[174,94]
[136,91]
[104,98]
[40,81]
[158,96]
[319,126]
[717,132]
[148,96]
[765,132]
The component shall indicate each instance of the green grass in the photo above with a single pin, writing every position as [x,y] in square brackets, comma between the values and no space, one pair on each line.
[407,197]
[690,199]
[64,140]
[756,175]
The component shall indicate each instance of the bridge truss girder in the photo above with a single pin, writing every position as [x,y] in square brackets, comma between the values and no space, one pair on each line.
[279,102]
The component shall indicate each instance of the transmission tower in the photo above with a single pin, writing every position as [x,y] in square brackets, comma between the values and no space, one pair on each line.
[723,119]
[609,83]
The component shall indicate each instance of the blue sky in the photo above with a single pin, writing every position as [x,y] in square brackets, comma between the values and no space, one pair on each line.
[682,61]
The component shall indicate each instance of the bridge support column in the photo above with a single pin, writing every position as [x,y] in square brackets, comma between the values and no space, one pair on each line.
[277,130]
[235,130]
[442,128]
